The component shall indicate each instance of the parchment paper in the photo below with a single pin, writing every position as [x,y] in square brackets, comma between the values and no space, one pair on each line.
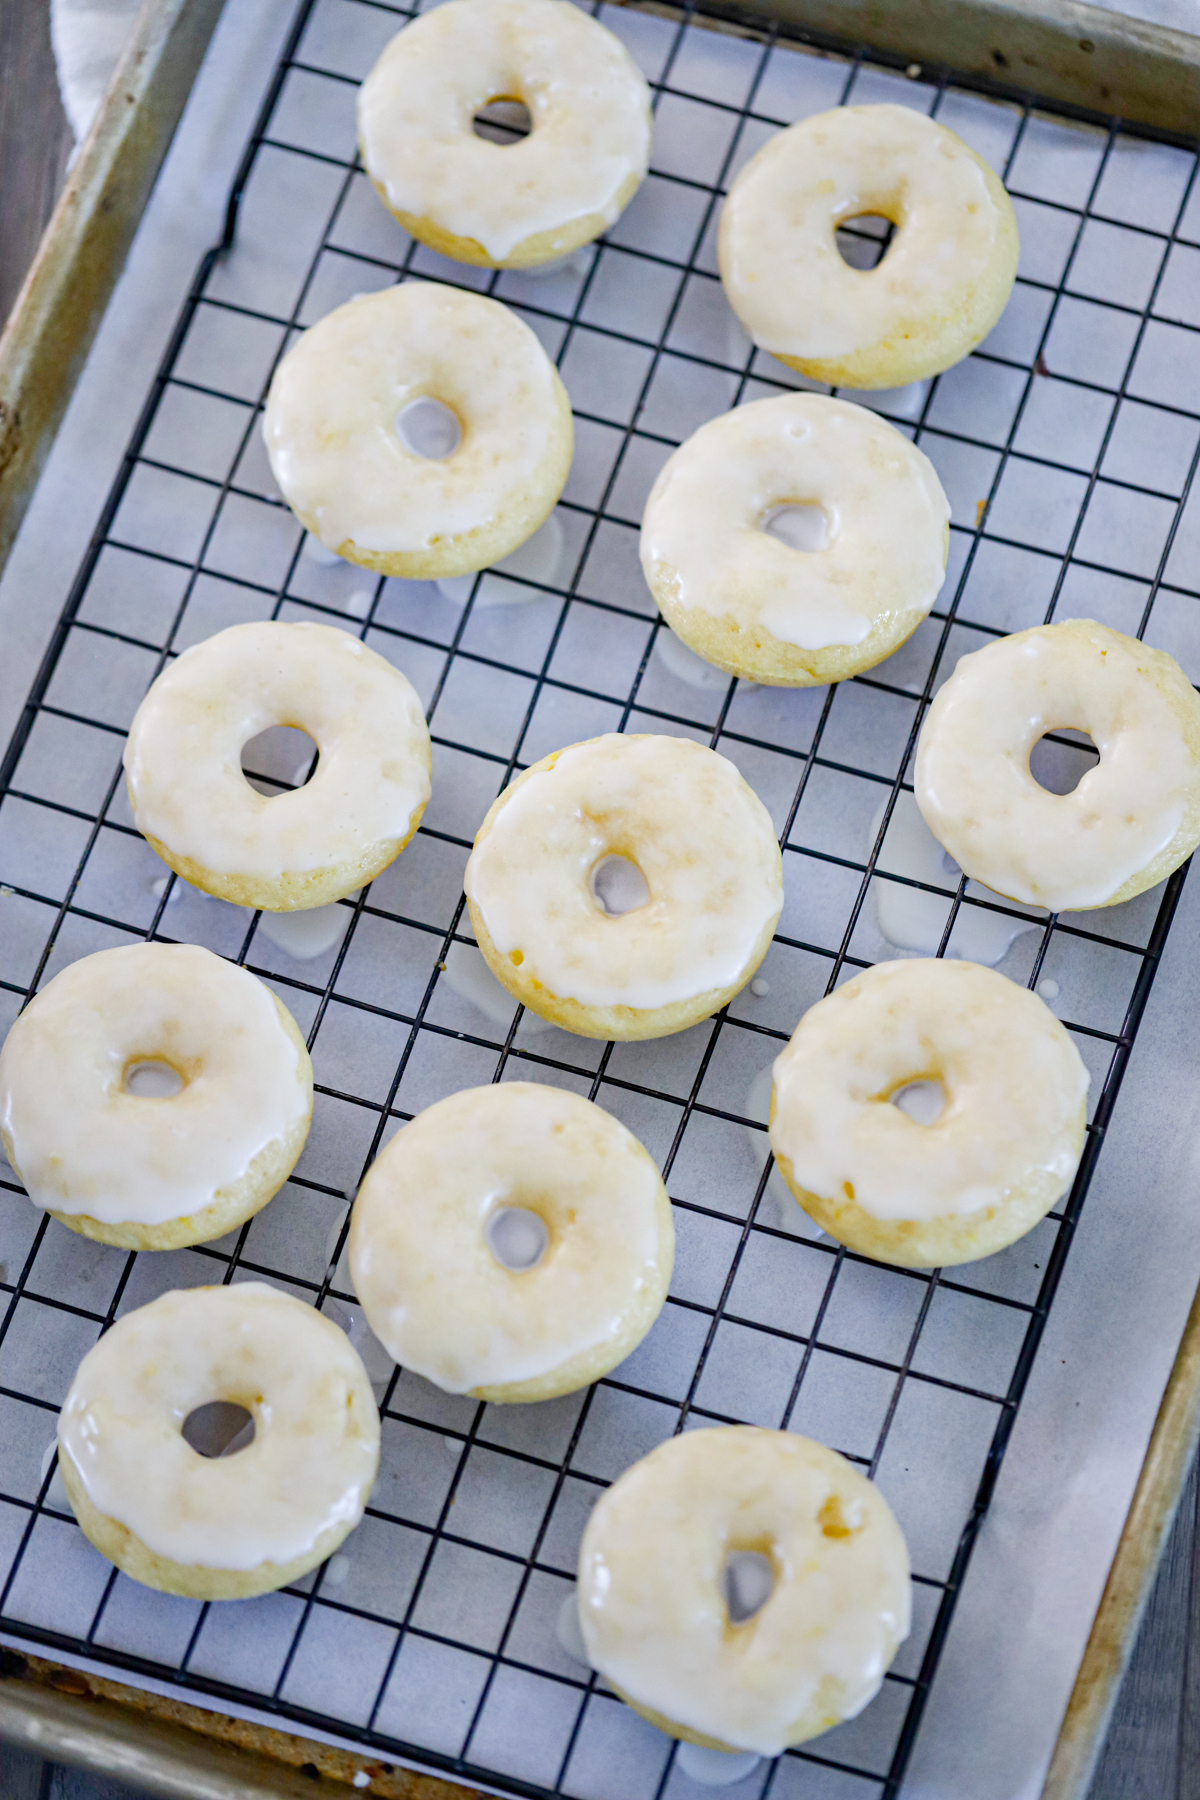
[1044,1551]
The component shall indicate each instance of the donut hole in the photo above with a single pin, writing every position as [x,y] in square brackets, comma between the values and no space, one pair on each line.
[618,886]
[801,524]
[503,121]
[219,1428]
[150,1079]
[429,428]
[279,759]
[922,1101]
[517,1238]
[749,1584]
[1059,761]
[864,240]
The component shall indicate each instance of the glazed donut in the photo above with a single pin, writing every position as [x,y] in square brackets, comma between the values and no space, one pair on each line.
[336,413]
[1004,1148]
[505,206]
[749,602]
[707,851]
[1135,815]
[154,1174]
[652,1588]
[939,289]
[219,1528]
[584,1295]
[284,852]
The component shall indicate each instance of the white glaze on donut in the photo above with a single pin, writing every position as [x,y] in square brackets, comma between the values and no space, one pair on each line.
[316,1430]
[432,1289]
[1062,851]
[183,755]
[588,101]
[700,836]
[85,1146]
[943,280]
[330,420]
[651,1587]
[1014,1084]
[703,529]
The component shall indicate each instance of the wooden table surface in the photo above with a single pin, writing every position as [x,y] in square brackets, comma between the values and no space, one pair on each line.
[35,139]
[1153,1751]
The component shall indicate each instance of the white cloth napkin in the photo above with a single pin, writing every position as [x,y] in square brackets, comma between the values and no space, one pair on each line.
[87,36]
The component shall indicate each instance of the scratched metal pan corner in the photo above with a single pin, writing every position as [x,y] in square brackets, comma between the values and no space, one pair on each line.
[1087,71]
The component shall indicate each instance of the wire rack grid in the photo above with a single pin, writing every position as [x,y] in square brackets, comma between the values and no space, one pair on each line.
[1068,445]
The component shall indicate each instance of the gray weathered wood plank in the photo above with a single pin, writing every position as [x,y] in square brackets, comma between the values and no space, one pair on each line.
[1142,1758]
[1153,1752]
[1188,1785]
[21,1775]
[35,139]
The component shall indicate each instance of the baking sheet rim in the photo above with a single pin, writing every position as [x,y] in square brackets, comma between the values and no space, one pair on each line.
[1068,52]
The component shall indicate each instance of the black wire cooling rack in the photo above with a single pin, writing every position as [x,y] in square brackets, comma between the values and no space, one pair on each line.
[1069,446]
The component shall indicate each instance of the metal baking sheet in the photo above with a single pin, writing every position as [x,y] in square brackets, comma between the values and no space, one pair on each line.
[1068,446]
